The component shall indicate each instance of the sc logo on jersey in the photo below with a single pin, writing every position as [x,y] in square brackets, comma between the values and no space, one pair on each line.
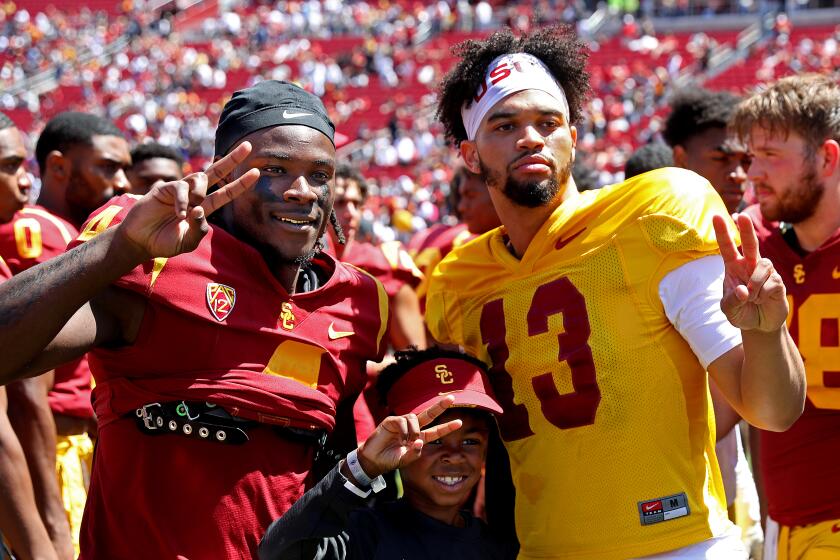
[287,316]
[799,274]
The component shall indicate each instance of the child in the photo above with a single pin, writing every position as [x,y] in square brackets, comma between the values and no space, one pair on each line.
[443,412]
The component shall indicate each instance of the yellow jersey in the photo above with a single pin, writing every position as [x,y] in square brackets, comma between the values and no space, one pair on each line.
[608,419]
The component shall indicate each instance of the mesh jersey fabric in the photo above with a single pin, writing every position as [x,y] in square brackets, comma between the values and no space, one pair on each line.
[607,409]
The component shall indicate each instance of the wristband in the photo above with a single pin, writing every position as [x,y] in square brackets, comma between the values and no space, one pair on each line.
[376,484]
[356,468]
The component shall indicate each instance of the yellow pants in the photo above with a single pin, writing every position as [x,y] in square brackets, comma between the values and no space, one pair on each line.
[818,541]
[74,455]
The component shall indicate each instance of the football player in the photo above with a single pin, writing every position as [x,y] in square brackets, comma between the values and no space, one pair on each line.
[600,313]
[430,245]
[697,131]
[30,453]
[793,129]
[220,351]
[153,163]
[82,160]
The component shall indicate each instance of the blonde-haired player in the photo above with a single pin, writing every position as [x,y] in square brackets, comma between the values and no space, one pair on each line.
[793,129]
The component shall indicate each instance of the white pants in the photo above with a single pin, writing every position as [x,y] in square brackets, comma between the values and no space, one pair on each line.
[771,539]
[728,546]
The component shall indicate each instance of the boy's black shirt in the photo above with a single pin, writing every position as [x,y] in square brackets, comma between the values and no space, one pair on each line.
[331,523]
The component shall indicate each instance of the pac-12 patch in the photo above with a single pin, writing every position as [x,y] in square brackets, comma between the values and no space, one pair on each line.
[220,299]
[663,509]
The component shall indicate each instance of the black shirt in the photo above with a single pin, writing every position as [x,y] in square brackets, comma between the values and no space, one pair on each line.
[331,523]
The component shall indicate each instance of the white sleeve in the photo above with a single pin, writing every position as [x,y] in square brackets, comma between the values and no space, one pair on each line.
[691,297]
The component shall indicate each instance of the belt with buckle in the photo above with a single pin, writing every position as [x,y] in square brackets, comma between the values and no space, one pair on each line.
[192,419]
[204,420]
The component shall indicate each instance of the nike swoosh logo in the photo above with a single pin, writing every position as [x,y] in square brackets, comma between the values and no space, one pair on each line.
[335,335]
[835,273]
[563,242]
[835,528]
[289,115]
[651,507]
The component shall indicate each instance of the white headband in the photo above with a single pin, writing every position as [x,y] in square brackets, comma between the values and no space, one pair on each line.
[507,74]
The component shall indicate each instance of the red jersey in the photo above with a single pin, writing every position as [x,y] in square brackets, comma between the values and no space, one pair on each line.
[800,468]
[393,267]
[219,328]
[428,248]
[389,263]
[33,236]
[5,273]
[425,238]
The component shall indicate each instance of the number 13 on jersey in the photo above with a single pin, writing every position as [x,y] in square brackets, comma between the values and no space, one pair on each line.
[566,410]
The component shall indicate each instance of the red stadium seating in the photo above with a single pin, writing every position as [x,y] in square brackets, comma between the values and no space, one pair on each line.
[631,84]
[112,7]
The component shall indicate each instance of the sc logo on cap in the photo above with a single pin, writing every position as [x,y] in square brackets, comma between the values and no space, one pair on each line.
[443,374]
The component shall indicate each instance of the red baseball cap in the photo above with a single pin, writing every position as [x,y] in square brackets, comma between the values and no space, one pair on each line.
[424,384]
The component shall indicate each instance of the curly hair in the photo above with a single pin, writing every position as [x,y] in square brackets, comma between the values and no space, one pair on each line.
[557,47]
[694,111]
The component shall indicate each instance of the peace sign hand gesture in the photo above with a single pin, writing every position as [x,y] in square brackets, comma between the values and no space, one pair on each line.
[398,440]
[753,292]
[172,218]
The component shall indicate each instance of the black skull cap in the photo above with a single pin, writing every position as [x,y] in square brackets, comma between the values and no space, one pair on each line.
[270,103]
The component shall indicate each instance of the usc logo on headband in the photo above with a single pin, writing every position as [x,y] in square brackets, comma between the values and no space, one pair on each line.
[495,76]
[531,73]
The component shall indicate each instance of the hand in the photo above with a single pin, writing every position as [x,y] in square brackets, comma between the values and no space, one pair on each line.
[172,218]
[753,292]
[398,440]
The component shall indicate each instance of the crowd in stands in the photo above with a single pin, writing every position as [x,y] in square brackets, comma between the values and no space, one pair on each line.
[368,63]
[798,53]
[52,41]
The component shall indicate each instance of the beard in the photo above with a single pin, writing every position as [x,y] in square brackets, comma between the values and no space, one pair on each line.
[800,199]
[304,260]
[528,194]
